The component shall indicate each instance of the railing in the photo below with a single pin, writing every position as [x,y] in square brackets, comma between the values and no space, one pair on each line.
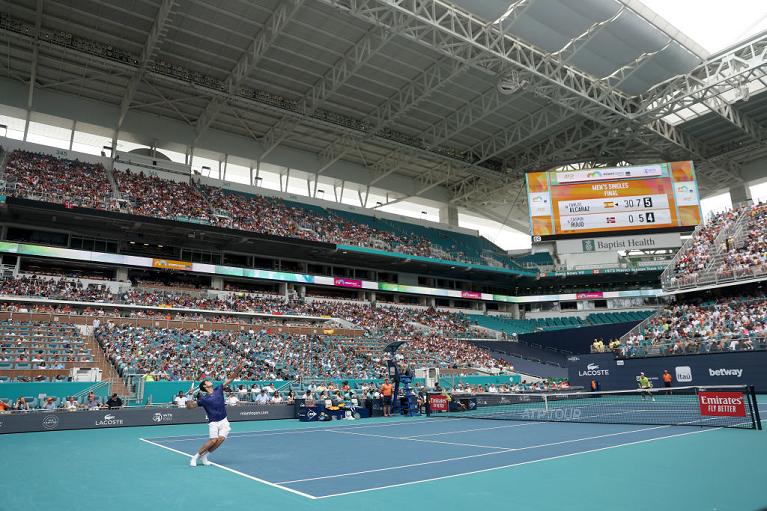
[93,388]
[717,278]
[707,276]
[669,271]
[691,346]
[638,328]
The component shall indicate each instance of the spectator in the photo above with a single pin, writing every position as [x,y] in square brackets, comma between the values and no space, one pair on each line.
[262,398]
[180,399]
[70,404]
[92,402]
[114,402]
[21,405]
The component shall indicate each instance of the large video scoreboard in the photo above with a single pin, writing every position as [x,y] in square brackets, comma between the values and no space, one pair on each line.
[567,204]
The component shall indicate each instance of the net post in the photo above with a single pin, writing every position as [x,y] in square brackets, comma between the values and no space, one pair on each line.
[755,415]
[428,404]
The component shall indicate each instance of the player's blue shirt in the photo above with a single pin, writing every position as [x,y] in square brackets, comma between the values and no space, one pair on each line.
[213,404]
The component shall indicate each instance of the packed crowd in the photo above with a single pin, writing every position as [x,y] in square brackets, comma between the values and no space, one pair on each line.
[697,255]
[83,184]
[750,254]
[180,354]
[53,288]
[53,179]
[719,251]
[723,325]
[152,196]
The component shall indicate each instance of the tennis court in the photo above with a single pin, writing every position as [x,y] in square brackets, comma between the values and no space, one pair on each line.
[425,463]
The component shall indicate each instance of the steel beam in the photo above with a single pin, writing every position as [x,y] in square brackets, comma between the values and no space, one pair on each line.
[572,47]
[356,57]
[248,61]
[156,34]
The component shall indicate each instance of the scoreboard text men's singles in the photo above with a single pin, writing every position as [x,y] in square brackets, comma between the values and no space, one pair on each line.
[647,197]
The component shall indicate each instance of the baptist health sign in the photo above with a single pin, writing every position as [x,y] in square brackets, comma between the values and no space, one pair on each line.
[614,244]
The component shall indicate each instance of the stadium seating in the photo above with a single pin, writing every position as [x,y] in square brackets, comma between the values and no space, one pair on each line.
[731,246]
[42,177]
[51,179]
[523,326]
[41,347]
[178,354]
[707,326]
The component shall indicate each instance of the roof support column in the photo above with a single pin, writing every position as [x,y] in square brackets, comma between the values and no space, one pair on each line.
[448,214]
[740,195]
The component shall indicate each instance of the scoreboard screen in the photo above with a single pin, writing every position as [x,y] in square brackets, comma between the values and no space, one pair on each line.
[566,204]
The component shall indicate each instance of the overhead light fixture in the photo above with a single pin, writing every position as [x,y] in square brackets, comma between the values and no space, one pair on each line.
[511,83]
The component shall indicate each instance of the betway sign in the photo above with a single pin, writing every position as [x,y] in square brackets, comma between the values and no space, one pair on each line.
[616,243]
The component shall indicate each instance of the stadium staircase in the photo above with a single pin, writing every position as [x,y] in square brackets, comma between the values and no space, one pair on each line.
[108,371]
[113,183]
[738,229]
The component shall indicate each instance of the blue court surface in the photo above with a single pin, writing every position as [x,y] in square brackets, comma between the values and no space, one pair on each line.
[380,463]
[338,459]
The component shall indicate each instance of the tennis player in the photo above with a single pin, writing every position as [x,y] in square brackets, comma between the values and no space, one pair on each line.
[646,385]
[212,400]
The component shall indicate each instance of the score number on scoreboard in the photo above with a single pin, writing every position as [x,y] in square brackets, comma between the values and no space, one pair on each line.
[649,210]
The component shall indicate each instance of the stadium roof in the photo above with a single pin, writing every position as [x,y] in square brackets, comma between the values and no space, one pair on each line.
[463,96]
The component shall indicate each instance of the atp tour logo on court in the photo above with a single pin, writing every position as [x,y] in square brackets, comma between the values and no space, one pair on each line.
[594,370]
[51,422]
[683,374]
[552,414]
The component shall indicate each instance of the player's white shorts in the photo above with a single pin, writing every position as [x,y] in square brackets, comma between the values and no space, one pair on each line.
[219,428]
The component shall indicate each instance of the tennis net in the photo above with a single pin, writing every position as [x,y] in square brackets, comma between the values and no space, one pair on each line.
[732,406]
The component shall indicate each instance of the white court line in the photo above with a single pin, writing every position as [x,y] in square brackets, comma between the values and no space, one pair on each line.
[288,431]
[511,465]
[504,450]
[479,429]
[262,481]
[457,444]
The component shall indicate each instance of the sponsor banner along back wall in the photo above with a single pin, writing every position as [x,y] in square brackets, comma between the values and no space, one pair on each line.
[737,368]
[98,419]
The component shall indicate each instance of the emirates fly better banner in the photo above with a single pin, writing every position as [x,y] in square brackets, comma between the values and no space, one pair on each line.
[722,404]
